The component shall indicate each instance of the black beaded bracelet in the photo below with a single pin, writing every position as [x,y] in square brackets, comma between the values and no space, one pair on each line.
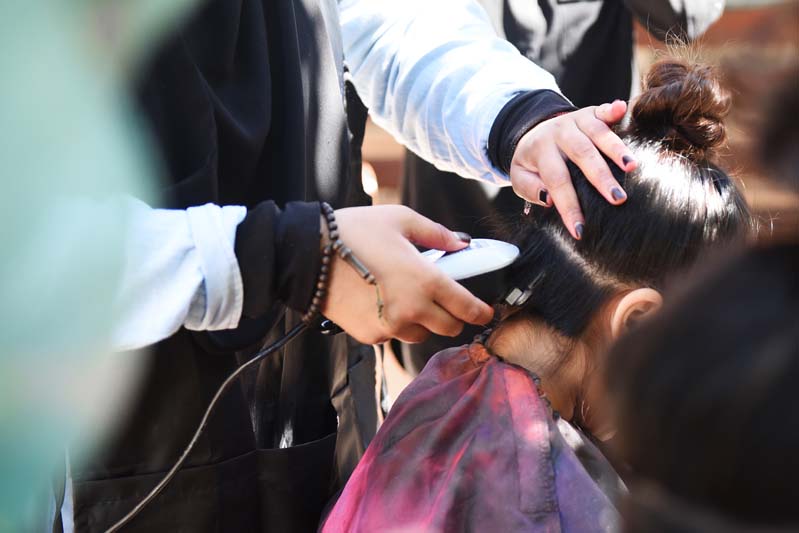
[321,286]
[324,272]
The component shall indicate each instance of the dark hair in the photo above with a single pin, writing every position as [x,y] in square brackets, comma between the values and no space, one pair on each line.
[679,206]
[780,137]
[707,402]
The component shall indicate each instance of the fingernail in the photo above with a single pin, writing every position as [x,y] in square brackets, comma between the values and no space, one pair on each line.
[617,194]
[543,196]
[627,160]
[578,230]
[463,237]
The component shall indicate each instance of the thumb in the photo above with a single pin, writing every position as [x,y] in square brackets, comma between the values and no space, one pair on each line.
[611,113]
[424,232]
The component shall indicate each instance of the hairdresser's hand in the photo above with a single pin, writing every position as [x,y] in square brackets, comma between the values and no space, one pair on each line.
[417,297]
[538,170]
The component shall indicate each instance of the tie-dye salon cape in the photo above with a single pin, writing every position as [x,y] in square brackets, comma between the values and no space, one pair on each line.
[471,446]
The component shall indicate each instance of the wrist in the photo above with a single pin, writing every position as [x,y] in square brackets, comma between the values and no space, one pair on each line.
[520,115]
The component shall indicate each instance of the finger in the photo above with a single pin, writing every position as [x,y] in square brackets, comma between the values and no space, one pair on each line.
[579,148]
[612,145]
[611,113]
[424,232]
[528,186]
[558,181]
[412,334]
[439,321]
[460,303]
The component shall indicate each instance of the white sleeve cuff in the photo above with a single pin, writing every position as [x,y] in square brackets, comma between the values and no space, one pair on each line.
[218,301]
[180,270]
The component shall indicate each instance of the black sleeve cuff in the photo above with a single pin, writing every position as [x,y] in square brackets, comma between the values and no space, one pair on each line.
[279,257]
[521,114]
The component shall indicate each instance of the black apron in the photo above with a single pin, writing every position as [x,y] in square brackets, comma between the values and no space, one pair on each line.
[247,103]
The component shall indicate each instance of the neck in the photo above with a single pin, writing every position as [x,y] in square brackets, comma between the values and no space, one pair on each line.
[541,350]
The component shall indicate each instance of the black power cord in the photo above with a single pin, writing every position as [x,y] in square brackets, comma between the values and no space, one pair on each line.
[296,330]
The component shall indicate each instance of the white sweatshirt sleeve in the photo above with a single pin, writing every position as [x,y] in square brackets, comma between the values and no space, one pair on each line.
[435,75]
[180,270]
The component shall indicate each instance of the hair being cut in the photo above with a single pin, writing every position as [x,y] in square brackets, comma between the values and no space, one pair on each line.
[680,205]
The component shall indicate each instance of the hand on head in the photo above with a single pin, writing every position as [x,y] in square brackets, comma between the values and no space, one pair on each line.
[538,170]
[418,299]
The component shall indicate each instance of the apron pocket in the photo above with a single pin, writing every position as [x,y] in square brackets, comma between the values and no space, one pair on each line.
[295,484]
[210,498]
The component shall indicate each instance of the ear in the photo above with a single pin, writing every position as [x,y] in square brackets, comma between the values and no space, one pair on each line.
[634,306]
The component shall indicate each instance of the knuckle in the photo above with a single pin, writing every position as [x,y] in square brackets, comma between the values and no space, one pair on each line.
[430,284]
[406,316]
[558,182]
[393,322]
[584,150]
[412,335]
[524,189]
[403,212]
[594,128]
[597,170]
[400,319]
[572,213]
[607,183]
[618,147]
[420,336]
[453,330]
[443,233]
[472,313]
[534,142]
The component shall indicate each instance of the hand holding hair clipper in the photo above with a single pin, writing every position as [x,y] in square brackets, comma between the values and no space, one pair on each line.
[411,297]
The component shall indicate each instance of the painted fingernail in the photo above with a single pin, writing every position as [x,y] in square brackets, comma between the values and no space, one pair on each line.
[463,237]
[578,230]
[617,194]
[627,160]
[543,196]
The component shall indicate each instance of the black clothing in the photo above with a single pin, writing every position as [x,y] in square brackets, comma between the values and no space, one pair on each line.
[244,104]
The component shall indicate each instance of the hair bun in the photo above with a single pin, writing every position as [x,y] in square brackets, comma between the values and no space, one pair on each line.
[682,106]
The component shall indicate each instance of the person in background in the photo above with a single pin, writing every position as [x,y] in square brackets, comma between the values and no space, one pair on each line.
[707,408]
[502,434]
[589,47]
[258,122]
[706,393]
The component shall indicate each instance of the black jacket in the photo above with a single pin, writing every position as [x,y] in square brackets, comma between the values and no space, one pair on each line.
[236,105]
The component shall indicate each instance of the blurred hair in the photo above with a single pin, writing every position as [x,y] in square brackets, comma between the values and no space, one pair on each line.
[680,205]
[779,144]
[707,402]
